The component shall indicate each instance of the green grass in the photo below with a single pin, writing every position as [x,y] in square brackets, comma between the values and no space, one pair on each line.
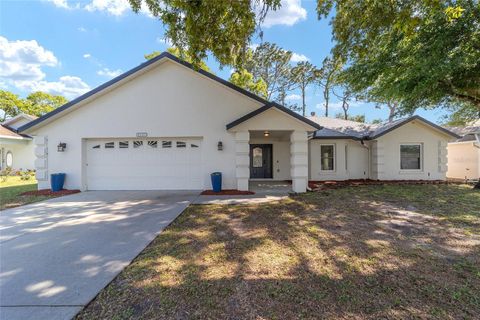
[11,189]
[367,252]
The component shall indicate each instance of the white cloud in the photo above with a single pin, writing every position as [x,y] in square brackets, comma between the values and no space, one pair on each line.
[113,7]
[82,29]
[87,55]
[297,57]
[68,86]
[60,3]
[105,72]
[292,97]
[22,60]
[21,64]
[290,13]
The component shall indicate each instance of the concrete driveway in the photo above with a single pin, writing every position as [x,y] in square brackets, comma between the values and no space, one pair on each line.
[56,255]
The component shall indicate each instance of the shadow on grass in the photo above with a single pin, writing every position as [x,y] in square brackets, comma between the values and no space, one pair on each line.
[332,255]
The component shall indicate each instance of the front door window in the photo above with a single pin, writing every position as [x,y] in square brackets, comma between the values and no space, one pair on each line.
[257,157]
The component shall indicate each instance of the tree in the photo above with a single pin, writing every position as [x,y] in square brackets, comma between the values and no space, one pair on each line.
[461,114]
[10,104]
[272,64]
[328,77]
[36,104]
[182,55]
[245,80]
[39,103]
[421,53]
[392,108]
[223,28]
[304,74]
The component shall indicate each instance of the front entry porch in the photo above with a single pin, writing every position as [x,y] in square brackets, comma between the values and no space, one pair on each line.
[286,131]
[272,155]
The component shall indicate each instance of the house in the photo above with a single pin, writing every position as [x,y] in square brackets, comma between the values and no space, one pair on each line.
[412,148]
[464,153]
[16,150]
[166,125]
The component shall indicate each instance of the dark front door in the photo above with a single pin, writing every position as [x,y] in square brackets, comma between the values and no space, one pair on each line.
[261,161]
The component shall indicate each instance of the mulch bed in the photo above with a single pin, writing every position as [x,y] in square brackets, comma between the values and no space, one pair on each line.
[49,193]
[227,192]
[323,185]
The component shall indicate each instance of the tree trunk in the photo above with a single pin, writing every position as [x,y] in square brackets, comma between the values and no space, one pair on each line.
[304,106]
[477,185]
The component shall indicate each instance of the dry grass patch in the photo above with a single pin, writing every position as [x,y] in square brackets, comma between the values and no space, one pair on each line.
[363,252]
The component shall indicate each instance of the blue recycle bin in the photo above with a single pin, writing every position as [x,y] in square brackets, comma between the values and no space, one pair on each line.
[56,181]
[216,181]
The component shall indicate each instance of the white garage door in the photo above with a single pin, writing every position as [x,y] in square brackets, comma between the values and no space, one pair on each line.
[144,164]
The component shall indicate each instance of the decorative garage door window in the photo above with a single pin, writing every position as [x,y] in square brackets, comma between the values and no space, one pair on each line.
[109,145]
[153,143]
[96,146]
[181,144]
[166,144]
[137,144]
[257,157]
[123,144]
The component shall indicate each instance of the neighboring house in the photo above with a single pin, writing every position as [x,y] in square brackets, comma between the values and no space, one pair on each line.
[165,125]
[464,153]
[16,150]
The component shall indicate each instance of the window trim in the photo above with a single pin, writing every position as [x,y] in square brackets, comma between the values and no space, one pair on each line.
[334,157]
[400,156]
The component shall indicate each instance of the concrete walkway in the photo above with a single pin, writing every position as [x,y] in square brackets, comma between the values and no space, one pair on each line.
[265,191]
[56,255]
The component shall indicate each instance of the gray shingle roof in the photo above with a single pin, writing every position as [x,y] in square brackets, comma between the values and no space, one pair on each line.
[345,129]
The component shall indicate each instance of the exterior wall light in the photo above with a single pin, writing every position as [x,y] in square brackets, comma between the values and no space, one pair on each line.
[61,147]
[266,134]
[220,146]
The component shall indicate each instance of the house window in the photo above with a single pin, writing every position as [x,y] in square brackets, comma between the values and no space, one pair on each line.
[123,144]
[137,144]
[410,157]
[109,145]
[9,159]
[166,144]
[327,156]
[181,144]
[153,143]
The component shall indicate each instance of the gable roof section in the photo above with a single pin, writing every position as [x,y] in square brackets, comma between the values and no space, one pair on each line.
[162,56]
[267,107]
[8,133]
[396,124]
[18,117]
[345,129]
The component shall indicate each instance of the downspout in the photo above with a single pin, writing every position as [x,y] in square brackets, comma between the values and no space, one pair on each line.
[362,143]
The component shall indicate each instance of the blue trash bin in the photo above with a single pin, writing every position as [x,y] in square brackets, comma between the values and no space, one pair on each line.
[56,181]
[216,181]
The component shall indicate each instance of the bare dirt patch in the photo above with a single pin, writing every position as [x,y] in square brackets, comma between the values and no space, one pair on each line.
[366,252]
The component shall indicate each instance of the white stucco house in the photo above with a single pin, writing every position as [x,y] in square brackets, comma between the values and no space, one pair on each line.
[464,153]
[16,150]
[165,125]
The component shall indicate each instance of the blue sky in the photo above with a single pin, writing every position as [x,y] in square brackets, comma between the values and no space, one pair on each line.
[69,47]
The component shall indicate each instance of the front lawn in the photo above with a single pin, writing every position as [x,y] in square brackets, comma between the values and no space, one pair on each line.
[366,252]
[11,190]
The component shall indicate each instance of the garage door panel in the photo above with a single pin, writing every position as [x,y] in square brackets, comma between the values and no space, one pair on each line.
[144,164]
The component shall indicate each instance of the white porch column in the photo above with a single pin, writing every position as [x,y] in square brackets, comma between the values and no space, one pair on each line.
[299,160]
[41,161]
[242,159]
